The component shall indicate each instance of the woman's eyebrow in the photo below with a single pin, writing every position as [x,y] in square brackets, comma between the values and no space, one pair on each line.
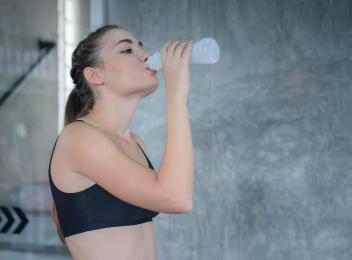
[129,41]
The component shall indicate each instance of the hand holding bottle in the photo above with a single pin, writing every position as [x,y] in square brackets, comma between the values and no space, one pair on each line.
[175,62]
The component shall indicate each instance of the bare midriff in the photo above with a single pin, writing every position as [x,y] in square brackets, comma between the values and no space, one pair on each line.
[136,242]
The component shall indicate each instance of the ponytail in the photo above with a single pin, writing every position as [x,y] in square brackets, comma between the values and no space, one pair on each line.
[72,107]
[79,103]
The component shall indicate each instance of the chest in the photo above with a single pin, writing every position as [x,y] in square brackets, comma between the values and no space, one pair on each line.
[134,152]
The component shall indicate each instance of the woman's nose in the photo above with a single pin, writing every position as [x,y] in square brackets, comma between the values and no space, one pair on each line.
[145,56]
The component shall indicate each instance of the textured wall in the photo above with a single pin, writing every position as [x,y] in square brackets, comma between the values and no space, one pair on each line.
[28,127]
[270,125]
[23,122]
[28,119]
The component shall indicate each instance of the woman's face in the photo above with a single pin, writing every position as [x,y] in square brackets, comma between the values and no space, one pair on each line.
[124,70]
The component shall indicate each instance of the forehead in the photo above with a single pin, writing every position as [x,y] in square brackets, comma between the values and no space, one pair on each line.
[112,37]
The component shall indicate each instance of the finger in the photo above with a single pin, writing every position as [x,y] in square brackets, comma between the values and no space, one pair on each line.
[179,49]
[164,50]
[171,50]
[176,47]
[187,50]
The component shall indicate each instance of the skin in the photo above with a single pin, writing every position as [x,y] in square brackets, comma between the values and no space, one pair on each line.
[119,85]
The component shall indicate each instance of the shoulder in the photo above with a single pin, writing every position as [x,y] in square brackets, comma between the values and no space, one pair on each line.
[78,138]
[79,131]
[85,147]
[81,136]
[140,141]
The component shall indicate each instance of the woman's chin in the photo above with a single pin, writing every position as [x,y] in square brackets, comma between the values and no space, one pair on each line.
[152,89]
[156,84]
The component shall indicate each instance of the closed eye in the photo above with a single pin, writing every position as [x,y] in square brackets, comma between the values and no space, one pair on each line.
[127,50]
[140,44]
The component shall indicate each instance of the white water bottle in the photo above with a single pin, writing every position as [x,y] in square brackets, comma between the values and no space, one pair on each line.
[205,51]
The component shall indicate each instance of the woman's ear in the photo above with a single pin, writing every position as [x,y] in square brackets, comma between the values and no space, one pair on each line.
[93,75]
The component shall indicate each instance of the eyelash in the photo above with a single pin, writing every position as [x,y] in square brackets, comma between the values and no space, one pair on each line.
[130,49]
[126,50]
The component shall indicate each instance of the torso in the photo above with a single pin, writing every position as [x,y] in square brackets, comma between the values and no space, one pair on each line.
[123,242]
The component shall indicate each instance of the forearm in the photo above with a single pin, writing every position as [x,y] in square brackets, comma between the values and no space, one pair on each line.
[177,166]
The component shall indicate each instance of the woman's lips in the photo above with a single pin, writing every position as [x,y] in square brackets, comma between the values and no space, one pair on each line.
[151,70]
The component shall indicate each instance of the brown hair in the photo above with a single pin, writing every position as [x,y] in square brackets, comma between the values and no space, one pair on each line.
[81,98]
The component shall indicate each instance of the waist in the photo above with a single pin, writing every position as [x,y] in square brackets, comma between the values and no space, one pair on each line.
[125,242]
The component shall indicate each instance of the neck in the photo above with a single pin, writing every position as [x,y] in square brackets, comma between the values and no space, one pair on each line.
[114,115]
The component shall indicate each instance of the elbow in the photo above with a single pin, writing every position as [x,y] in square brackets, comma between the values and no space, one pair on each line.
[185,206]
[188,206]
[180,204]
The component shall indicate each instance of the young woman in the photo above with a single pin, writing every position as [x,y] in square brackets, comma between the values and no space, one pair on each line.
[105,190]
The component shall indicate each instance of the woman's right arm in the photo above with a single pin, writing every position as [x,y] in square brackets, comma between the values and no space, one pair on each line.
[177,167]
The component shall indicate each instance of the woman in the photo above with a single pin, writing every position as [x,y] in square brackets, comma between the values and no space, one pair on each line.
[105,190]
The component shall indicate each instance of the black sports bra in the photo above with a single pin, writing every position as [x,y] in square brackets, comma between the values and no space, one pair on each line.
[95,208]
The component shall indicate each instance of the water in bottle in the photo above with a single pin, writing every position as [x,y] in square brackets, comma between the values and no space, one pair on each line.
[205,51]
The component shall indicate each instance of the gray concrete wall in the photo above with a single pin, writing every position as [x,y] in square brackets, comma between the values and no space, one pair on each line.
[28,119]
[23,121]
[270,122]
